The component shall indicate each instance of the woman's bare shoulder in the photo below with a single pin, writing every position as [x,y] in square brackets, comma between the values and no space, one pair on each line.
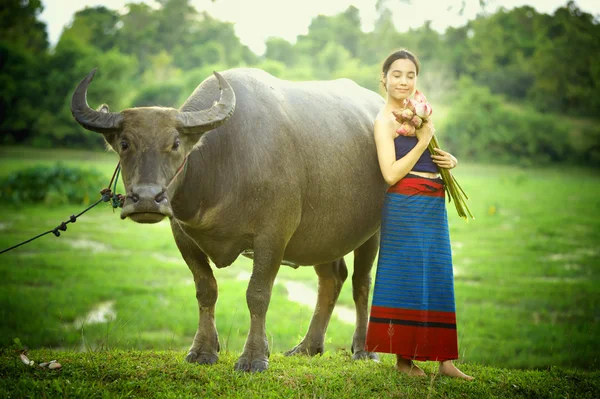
[385,122]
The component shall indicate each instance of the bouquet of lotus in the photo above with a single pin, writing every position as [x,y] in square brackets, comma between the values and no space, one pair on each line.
[416,112]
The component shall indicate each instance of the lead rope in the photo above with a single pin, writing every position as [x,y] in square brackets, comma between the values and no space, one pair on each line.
[117,201]
[181,167]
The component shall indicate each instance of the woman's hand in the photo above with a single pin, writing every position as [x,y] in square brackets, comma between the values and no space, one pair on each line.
[444,159]
[425,133]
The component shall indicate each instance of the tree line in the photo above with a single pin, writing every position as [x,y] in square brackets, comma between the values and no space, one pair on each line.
[540,64]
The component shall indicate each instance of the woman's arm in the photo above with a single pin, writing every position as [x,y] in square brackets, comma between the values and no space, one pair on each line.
[444,159]
[393,170]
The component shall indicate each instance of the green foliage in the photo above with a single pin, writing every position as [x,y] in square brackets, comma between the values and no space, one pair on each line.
[22,82]
[72,60]
[94,26]
[365,75]
[20,26]
[278,49]
[150,55]
[165,94]
[481,126]
[330,59]
[51,185]
[565,63]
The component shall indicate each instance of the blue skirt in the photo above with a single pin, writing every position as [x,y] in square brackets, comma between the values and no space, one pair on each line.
[413,310]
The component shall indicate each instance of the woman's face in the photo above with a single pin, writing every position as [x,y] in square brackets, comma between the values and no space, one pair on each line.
[401,79]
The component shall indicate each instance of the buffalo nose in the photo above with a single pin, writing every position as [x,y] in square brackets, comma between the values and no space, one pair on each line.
[160,197]
[147,192]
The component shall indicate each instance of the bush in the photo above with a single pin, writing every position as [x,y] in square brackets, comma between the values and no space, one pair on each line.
[54,185]
[481,127]
[164,94]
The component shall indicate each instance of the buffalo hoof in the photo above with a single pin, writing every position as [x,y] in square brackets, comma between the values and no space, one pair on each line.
[243,364]
[201,358]
[303,349]
[364,355]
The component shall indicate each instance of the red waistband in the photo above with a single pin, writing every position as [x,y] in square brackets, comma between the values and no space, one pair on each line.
[417,185]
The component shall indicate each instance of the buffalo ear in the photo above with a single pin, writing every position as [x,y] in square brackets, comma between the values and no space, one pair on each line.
[108,137]
[190,140]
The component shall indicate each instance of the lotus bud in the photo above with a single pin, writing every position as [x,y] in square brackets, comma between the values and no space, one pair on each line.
[423,110]
[429,110]
[420,97]
[410,104]
[406,129]
[407,114]
[416,121]
[398,114]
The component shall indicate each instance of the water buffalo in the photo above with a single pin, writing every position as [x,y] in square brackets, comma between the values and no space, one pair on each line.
[286,171]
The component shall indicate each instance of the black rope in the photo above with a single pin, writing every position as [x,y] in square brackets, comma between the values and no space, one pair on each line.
[107,195]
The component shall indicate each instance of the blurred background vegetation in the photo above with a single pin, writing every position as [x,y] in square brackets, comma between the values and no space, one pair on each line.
[515,86]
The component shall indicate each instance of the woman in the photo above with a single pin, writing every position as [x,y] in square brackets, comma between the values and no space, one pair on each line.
[413,312]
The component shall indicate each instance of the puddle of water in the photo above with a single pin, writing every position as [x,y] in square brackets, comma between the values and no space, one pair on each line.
[302,294]
[102,313]
[93,246]
[458,270]
[345,314]
[575,255]
[169,259]
[244,276]
[457,245]
[548,279]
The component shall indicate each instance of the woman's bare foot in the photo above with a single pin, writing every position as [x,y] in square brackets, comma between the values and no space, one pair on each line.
[448,368]
[408,367]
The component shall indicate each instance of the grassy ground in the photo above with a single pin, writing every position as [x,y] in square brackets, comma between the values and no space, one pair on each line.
[162,374]
[526,273]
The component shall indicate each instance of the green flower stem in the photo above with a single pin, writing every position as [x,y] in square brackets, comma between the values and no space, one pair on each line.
[454,190]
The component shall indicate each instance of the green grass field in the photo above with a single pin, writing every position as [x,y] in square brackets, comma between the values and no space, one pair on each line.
[162,374]
[526,273]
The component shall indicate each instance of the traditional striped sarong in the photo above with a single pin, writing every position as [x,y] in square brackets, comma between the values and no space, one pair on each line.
[413,313]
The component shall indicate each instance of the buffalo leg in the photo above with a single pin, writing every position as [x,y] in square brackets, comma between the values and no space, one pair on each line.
[267,259]
[331,278]
[206,341]
[364,256]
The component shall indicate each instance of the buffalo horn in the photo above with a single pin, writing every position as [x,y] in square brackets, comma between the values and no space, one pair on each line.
[213,117]
[96,121]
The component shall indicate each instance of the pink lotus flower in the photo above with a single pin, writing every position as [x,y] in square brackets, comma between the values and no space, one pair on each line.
[407,114]
[416,121]
[422,107]
[406,129]
[420,97]
[423,110]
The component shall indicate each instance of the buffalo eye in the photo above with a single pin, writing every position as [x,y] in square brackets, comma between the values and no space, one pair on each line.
[176,144]
[124,145]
